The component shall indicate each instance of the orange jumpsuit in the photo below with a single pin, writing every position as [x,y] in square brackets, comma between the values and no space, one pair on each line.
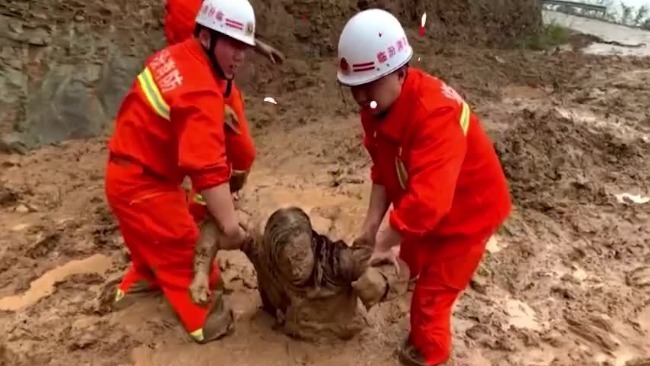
[170,125]
[240,148]
[449,194]
[180,16]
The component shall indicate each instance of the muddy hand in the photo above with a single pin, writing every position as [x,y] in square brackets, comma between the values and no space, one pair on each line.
[200,289]
[364,241]
[371,287]
[274,55]
[384,257]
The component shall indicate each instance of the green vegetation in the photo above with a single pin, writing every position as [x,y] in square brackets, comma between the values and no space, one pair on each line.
[552,35]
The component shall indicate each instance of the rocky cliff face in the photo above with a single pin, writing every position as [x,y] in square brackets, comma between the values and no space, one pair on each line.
[65,65]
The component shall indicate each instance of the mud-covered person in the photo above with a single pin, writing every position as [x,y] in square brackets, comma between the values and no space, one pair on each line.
[434,162]
[308,282]
[171,125]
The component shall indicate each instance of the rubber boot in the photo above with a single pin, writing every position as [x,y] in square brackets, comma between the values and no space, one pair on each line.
[134,286]
[220,322]
[410,356]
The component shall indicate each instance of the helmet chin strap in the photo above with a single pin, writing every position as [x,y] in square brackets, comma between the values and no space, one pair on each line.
[209,51]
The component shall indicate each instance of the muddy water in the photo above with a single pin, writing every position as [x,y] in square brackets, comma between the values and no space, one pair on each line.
[606,31]
[44,285]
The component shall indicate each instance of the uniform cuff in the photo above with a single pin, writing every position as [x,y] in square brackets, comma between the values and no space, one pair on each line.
[210,178]
[401,227]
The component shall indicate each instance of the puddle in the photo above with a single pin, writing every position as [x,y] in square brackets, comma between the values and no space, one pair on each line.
[516,92]
[623,355]
[589,118]
[522,316]
[537,357]
[20,227]
[142,356]
[44,285]
[606,31]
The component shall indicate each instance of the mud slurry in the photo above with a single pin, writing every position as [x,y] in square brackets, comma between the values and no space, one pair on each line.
[565,282]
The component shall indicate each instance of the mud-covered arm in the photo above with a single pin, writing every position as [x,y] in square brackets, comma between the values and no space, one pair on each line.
[382,283]
[268,51]
[378,203]
[206,247]
[204,254]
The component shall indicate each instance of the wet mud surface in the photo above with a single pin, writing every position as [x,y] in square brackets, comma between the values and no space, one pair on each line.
[565,282]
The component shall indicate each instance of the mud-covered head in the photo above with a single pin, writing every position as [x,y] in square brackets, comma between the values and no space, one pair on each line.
[288,234]
[373,56]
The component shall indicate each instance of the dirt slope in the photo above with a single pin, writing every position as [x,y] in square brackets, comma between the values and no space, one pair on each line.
[66,64]
[565,281]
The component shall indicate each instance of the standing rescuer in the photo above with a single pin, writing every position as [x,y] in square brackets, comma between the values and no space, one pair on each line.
[170,125]
[434,163]
[179,25]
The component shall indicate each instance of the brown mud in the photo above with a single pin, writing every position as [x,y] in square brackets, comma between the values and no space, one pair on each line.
[565,282]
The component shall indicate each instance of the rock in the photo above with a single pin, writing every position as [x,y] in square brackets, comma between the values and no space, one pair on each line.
[21,209]
[12,143]
[639,277]
[116,78]
[73,110]
[13,85]
[479,284]
[38,41]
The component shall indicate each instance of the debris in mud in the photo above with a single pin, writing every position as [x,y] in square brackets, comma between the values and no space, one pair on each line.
[579,41]
[632,198]
[640,361]
[7,197]
[552,162]
[43,246]
[639,277]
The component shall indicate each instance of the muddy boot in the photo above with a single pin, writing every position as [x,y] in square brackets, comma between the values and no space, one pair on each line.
[137,291]
[410,356]
[220,322]
[132,287]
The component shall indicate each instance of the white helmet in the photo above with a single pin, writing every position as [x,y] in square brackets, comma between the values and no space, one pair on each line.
[234,18]
[372,45]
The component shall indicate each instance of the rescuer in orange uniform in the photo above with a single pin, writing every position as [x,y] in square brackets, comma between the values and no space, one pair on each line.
[434,163]
[179,25]
[239,149]
[171,125]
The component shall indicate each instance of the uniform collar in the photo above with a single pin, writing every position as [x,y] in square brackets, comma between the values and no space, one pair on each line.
[394,122]
[196,49]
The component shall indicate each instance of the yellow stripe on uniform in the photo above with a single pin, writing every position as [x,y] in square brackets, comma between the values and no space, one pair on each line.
[119,295]
[464,118]
[402,175]
[198,335]
[152,93]
[400,168]
[199,199]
